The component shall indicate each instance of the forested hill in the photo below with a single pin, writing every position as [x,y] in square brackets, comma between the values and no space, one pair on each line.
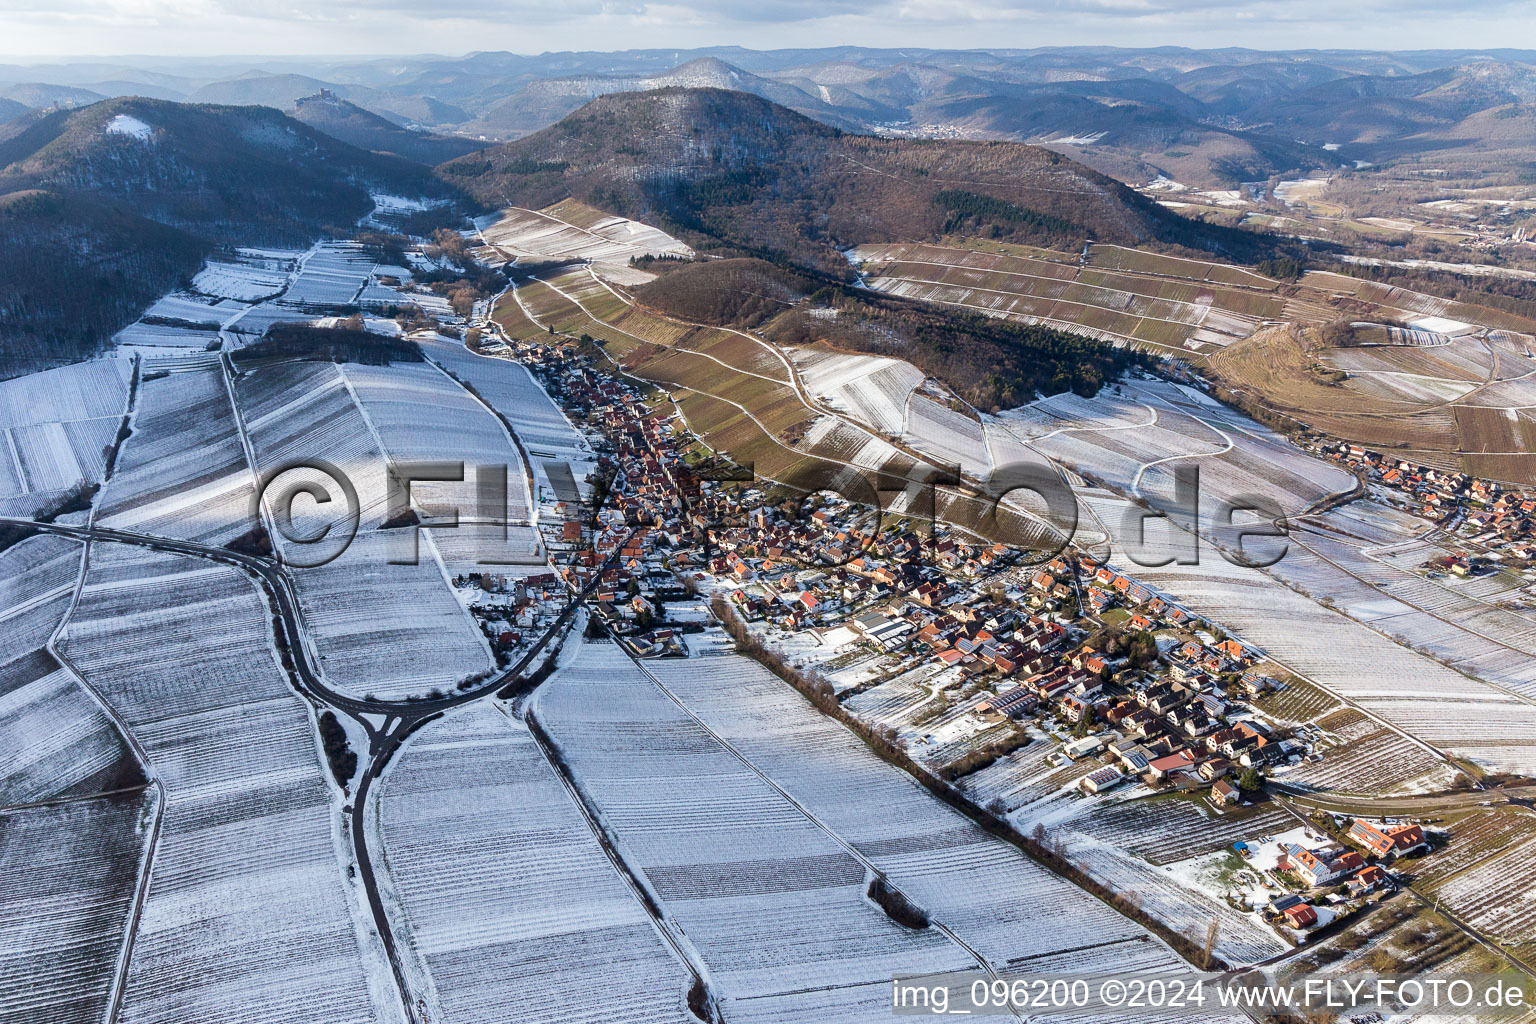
[105,207]
[735,172]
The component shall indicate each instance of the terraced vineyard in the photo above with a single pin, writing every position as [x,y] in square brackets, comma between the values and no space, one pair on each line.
[1113,294]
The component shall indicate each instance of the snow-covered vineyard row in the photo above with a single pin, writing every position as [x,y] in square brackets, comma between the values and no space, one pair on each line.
[419,640]
[509,389]
[55,740]
[248,291]
[528,911]
[1013,912]
[183,471]
[421,415]
[774,904]
[248,916]
[870,389]
[571,230]
[55,427]
[68,874]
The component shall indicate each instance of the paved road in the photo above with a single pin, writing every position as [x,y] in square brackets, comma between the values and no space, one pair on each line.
[399,717]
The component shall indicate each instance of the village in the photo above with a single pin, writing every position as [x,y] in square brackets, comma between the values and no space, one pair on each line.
[1136,696]
[1497,523]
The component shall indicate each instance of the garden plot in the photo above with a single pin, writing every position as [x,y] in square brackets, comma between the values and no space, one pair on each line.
[68,874]
[571,230]
[775,906]
[1165,829]
[1025,777]
[249,917]
[392,630]
[55,740]
[531,911]
[1013,912]
[183,471]
[870,389]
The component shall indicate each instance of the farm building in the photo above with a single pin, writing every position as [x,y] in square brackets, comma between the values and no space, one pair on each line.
[1105,778]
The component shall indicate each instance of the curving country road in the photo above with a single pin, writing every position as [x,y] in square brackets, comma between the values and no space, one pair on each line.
[400,717]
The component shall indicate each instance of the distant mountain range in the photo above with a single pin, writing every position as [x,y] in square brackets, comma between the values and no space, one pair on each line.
[1199,116]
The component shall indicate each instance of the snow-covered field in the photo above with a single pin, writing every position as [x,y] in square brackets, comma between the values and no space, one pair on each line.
[511,390]
[182,472]
[989,894]
[505,896]
[870,389]
[331,274]
[249,917]
[55,427]
[379,627]
[248,281]
[581,233]
[68,873]
[773,902]
[55,740]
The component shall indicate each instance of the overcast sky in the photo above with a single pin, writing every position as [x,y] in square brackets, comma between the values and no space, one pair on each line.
[352,27]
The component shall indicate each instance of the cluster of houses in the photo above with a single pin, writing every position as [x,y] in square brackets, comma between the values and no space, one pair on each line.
[509,609]
[1494,517]
[828,569]
[1352,873]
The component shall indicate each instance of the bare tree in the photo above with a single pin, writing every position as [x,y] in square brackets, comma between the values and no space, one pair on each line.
[1212,930]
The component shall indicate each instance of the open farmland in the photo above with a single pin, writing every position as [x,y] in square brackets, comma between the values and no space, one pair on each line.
[1183,305]
[420,640]
[55,740]
[249,915]
[527,910]
[1458,406]
[1014,913]
[69,875]
[573,230]
[773,901]
[1132,440]
[183,471]
[55,428]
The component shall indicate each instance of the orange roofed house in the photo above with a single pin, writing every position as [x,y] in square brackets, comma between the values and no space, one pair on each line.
[1390,842]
